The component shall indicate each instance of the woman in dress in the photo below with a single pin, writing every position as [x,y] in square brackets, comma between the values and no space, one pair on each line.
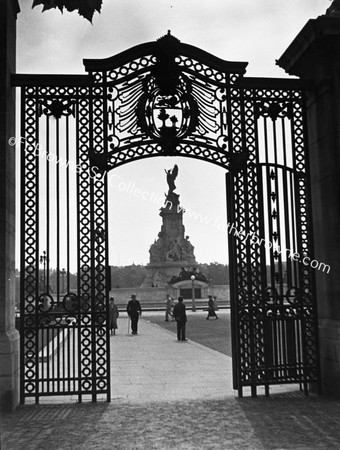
[114,314]
[211,308]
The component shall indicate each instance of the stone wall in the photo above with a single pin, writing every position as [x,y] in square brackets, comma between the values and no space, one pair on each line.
[314,56]
[9,336]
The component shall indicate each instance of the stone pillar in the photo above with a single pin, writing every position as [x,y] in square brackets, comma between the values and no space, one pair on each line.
[314,56]
[9,336]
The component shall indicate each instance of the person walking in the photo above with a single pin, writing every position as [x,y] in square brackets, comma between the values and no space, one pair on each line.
[168,308]
[114,314]
[134,310]
[181,319]
[211,308]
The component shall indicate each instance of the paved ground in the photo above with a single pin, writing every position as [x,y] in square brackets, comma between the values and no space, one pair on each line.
[173,395]
[212,333]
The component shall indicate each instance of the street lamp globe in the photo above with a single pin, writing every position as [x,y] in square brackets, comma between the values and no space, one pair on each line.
[193,292]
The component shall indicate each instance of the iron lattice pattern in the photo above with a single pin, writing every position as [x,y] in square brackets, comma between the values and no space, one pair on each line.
[162,98]
[64,337]
[275,311]
[145,117]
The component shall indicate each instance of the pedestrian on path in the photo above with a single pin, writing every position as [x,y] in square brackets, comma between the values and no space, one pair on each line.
[211,308]
[181,319]
[114,314]
[134,310]
[215,303]
[169,303]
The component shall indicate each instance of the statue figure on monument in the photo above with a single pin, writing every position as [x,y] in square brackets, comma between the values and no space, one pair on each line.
[171,198]
[176,250]
[173,253]
[156,249]
[171,176]
[188,247]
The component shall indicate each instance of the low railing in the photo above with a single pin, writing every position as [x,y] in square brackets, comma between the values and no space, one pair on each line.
[201,304]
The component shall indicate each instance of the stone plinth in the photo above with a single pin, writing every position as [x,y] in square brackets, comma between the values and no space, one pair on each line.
[159,274]
[314,56]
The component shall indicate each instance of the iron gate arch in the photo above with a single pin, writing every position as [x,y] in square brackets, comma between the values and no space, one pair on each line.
[163,98]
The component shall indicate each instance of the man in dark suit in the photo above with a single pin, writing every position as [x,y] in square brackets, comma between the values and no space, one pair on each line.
[180,316]
[134,310]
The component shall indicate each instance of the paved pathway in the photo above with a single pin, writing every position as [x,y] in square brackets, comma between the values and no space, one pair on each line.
[173,395]
[155,367]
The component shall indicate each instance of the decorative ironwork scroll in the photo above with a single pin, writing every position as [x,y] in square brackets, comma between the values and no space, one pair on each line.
[165,98]
[162,98]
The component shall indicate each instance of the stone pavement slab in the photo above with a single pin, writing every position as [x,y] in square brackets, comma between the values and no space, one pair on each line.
[154,367]
[172,395]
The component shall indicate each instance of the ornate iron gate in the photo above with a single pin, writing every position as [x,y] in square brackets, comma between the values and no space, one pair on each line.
[64,335]
[274,316]
[161,98]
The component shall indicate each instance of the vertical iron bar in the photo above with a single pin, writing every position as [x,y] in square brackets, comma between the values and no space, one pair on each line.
[64,331]
[48,331]
[233,289]
[106,243]
[269,203]
[47,287]
[294,231]
[250,296]
[58,210]
[53,360]
[23,330]
[58,238]
[67,207]
[278,218]
[310,230]
[92,259]
[261,219]
[286,205]
[79,268]
[36,293]
[69,366]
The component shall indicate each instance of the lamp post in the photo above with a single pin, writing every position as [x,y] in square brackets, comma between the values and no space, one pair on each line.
[63,273]
[193,292]
[43,259]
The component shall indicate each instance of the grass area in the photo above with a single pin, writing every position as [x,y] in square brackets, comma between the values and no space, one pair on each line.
[215,334]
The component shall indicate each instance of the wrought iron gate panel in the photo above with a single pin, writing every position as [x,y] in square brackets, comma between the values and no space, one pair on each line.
[137,81]
[270,238]
[64,337]
[165,98]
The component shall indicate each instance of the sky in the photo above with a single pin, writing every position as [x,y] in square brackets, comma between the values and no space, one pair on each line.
[255,31]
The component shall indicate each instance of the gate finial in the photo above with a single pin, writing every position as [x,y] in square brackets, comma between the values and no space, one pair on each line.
[168,38]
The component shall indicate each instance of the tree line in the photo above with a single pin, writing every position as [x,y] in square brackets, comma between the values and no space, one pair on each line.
[134,275]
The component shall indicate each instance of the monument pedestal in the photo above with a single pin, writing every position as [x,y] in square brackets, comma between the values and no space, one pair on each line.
[159,274]
[172,251]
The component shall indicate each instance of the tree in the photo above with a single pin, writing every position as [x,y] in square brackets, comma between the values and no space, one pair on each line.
[216,272]
[128,276]
[85,8]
